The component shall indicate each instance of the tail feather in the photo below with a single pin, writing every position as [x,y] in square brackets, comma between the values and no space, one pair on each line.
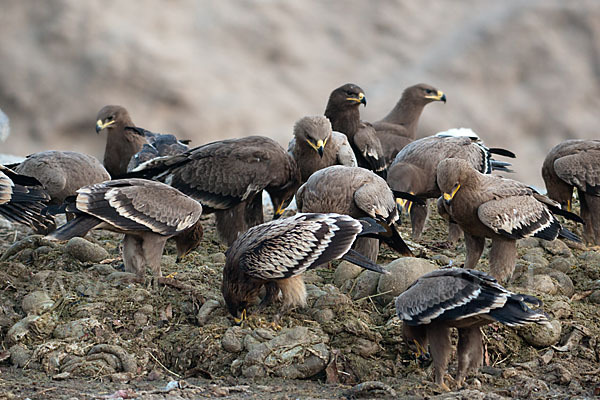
[567,214]
[362,261]
[500,166]
[502,152]
[567,234]
[516,313]
[79,226]
[385,232]
[409,197]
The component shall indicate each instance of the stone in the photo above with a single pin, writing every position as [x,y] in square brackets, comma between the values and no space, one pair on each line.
[207,308]
[75,329]
[535,259]
[557,247]
[560,309]
[544,284]
[564,283]
[323,316]
[365,285]
[332,300]
[402,273]
[217,258]
[232,339]
[296,353]
[594,297]
[19,355]
[85,251]
[35,303]
[528,243]
[344,272]
[561,264]
[541,335]
[442,259]
[365,348]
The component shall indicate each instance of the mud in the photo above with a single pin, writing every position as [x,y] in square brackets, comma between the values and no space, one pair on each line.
[74,325]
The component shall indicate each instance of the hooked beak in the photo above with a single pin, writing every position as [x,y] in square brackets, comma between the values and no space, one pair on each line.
[449,196]
[402,204]
[439,96]
[181,256]
[361,99]
[100,125]
[242,318]
[279,211]
[319,147]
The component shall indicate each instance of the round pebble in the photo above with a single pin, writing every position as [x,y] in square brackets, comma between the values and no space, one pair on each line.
[36,303]
[541,335]
[344,272]
[560,309]
[402,273]
[556,247]
[365,285]
[85,251]
[544,284]
[565,284]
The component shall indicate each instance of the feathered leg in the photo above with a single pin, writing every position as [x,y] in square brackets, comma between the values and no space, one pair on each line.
[271,294]
[153,246]
[238,219]
[133,255]
[474,245]
[230,223]
[416,339]
[590,213]
[368,247]
[469,351]
[438,336]
[418,218]
[454,234]
[503,257]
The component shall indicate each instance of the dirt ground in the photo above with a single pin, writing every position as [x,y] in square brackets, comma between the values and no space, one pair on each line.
[73,329]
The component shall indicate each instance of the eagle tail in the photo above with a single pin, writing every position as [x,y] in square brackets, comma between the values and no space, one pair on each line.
[79,226]
[356,258]
[516,312]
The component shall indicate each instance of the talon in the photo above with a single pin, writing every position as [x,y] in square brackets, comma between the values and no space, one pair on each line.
[275,326]
[171,275]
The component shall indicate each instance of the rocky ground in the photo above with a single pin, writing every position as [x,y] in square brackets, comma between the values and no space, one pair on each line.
[73,325]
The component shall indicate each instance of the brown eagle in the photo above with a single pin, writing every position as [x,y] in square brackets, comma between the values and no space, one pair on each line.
[465,299]
[275,255]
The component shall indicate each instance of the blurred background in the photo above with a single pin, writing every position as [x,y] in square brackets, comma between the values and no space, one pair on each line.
[523,74]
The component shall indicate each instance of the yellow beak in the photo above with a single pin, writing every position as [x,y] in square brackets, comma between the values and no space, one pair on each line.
[100,125]
[319,147]
[439,96]
[242,317]
[279,211]
[361,98]
[449,196]
[405,203]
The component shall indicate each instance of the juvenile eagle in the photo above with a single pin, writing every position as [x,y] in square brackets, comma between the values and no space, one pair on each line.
[275,255]
[22,200]
[147,212]
[465,299]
